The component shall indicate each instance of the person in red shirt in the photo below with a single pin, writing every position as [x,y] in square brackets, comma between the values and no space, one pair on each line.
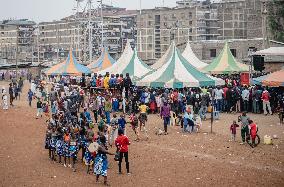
[253,131]
[265,100]
[122,143]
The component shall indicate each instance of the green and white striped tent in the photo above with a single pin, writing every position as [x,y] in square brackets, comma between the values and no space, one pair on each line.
[189,55]
[177,72]
[225,63]
[129,62]
[164,58]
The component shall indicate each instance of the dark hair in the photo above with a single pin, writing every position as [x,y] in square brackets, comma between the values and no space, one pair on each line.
[120,131]
[102,139]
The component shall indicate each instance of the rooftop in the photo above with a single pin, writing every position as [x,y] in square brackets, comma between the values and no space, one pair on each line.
[17,22]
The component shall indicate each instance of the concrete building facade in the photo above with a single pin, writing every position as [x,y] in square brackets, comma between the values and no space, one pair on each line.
[239,19]
[208,50]
[156,28]
[76,31]
[16,34]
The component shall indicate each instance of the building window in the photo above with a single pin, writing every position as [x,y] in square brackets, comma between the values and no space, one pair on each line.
[190,15]
[190,22]
[234,52]
[212,53]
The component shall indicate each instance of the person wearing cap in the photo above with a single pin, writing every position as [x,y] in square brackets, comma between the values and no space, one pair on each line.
[122,142]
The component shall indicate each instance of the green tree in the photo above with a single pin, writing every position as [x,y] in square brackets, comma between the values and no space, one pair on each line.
[276,19]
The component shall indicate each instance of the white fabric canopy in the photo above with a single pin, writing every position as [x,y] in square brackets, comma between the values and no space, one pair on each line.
[189,55]
[177,72]
[273,51]
[164,58]
[129,62]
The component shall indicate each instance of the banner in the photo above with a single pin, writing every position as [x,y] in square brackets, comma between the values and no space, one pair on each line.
[244,78]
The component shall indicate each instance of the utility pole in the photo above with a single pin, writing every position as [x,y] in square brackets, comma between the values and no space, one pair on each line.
[121,36]
[90,31]
[57,36]
[38,53]
[77,21]
[140,24]
[32,54]
[264,30]
[102,20]
[16,54]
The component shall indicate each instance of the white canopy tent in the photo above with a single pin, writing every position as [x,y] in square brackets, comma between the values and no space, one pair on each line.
[273,51]
[189,55]
[130,63]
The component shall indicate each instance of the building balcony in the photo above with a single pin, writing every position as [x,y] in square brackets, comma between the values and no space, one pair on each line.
[208,34]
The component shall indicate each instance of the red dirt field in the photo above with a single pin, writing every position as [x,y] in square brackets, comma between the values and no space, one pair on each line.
[178,159]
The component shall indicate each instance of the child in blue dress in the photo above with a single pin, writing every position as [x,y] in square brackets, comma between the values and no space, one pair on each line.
[52,145]
[88,156]
[59,147]
[73,150]
[101,162]
[47,141]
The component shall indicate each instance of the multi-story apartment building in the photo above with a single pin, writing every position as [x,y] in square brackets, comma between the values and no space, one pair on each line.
[150,30]
[82,33]
[157,27]
[16,34]
[56,36]
[239,19]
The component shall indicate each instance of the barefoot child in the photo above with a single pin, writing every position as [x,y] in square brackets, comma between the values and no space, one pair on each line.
[143,117]
[59,147]
[66,139]
[134,125]
[233,129]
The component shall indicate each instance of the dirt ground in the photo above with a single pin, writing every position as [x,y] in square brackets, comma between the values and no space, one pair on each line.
[178,159]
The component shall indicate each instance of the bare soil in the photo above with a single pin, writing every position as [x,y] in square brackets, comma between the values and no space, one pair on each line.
[176,159]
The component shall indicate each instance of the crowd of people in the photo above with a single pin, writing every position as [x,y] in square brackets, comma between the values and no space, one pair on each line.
[14,92]
[92,112]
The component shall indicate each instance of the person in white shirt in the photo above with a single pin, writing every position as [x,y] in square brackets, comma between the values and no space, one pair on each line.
[219,99]
[245,97]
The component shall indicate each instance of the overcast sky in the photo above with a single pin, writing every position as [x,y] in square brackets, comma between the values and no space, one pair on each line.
[48,10]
